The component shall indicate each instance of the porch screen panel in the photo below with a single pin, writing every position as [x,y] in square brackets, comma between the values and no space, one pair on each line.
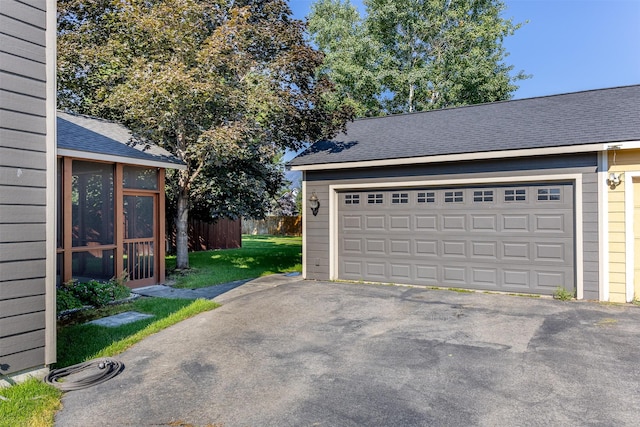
[92,204]
[139,250]
[140,178]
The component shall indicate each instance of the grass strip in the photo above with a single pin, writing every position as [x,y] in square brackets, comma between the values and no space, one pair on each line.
[196,307]
[34,403]
[31,403]
[82,342]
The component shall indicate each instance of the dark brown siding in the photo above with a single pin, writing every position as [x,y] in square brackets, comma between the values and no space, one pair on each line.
[22,184]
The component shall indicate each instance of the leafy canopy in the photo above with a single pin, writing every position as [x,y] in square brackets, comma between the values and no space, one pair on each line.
[225,85]
[414,55]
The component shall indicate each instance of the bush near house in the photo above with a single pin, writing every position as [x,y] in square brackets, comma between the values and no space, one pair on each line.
[76,294]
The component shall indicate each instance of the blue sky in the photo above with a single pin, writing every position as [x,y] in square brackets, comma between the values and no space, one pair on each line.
[567,45]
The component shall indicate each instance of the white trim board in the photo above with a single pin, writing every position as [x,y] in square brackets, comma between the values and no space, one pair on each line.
[571,149]
[603,225]
[88,155]
[576,178]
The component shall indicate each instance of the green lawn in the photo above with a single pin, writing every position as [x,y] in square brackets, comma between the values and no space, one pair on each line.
[79,342]
[34,403]
[259,256]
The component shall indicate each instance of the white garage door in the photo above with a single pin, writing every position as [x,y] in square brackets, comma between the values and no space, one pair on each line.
[502,238]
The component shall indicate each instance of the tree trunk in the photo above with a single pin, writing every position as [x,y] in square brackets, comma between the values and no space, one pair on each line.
[182,229]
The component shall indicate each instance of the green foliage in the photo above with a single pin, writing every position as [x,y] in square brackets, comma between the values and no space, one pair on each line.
[31,403]
[259,256]
[224,85]
[66,300]
[81,342]
[97,294]
[408,55]
[562,294]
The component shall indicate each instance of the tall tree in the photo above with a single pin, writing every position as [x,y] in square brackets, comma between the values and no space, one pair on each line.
[225,85]
[427,53]
[351,55]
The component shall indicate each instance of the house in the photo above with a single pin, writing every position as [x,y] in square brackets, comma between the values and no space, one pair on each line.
[110,211]
[27,188]
[512,196]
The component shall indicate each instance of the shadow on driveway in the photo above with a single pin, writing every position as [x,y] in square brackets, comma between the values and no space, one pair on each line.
[336,354]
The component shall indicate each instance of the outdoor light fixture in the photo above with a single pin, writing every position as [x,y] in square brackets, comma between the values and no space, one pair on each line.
[614,180]
[314,203]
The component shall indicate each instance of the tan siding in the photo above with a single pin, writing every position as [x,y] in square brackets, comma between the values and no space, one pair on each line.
[620,162]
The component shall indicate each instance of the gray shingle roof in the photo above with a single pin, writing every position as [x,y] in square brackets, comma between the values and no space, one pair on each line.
[94,135]
[596,116]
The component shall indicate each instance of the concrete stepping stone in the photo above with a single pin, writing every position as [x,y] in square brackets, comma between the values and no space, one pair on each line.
[120,319]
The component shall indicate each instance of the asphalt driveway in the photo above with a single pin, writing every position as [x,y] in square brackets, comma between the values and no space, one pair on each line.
[336,354]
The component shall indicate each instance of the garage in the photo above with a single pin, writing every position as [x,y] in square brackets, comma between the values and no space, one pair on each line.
[507,196]
[515,238]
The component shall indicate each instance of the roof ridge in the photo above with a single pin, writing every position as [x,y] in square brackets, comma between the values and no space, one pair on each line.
[504,101]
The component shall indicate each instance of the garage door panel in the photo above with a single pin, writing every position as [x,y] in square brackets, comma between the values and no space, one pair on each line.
[484,223]
[517,251]
[516,278]
[426,222]
[486,277]
[400,272]
[453,248]
[513,238]
[376,270]
[427,273]
[484,250]
[551,252]
[454,274]
[453,223]
[400,222]
[353,268]
[427,248]
[375,247]
[400,247]
[375,223]
[352,222]
[516,223]
[352,245]
[550,280]
[550,223]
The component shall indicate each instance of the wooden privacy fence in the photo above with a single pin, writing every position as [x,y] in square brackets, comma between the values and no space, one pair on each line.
[203,236]
[273,225]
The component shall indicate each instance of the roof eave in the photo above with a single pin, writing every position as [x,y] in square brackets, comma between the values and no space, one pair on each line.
[568,149]
[88,155]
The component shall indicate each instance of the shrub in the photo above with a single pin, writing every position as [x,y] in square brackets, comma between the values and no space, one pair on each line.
[95,293]
[65,300]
